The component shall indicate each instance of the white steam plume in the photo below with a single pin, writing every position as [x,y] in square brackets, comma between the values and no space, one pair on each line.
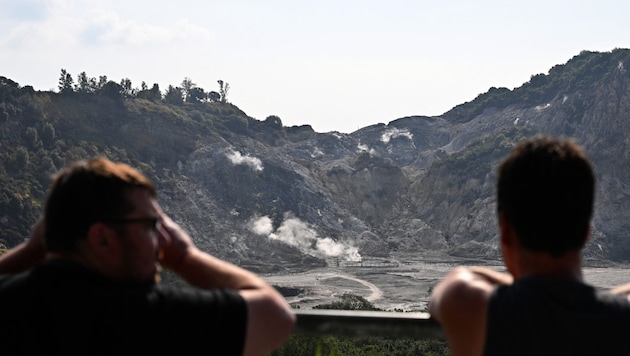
[262,226]
[236,158]
[365,148]
[331,247]
[296,233]
[395,132]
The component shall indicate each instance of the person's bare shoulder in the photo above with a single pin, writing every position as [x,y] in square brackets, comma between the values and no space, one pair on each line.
[459,303]
[623,289]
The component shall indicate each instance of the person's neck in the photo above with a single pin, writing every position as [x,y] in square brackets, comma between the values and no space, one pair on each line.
[76,258]
[532,263]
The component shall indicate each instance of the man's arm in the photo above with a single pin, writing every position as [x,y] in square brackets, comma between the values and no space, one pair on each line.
[27,254]
[460,303]
[623,289]
[270,319]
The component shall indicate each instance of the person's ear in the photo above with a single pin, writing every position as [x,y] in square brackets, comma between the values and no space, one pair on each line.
[588,234]
[506,230]
[509,245]
[101,239]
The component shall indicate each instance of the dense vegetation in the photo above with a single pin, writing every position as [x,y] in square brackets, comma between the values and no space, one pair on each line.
[41,132]
[329,345]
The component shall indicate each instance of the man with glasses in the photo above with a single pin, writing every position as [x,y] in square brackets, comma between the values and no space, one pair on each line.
[86,281]
[541,306]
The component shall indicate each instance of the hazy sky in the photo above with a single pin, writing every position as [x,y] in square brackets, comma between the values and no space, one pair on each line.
[335,65]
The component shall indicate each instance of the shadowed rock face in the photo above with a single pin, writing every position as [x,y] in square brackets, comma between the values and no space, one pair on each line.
[273,198]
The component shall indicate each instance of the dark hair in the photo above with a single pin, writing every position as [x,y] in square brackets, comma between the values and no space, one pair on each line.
[86,192]
[546,190]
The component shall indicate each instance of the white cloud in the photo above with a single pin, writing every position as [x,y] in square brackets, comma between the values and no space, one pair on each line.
[94,25]
[237,158]
[23,10]
[113,30]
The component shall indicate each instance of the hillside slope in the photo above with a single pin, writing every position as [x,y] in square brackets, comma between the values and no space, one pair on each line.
[271,198]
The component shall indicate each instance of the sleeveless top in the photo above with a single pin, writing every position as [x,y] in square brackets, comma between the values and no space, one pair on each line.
[554,316]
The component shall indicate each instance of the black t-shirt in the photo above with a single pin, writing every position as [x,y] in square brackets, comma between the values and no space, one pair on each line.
[62,308]
[553,316]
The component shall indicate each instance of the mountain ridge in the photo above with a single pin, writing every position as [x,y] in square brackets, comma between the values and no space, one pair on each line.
[275,198]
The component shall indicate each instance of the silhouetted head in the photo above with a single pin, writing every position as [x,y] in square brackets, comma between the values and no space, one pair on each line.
[546,189]
[86,192]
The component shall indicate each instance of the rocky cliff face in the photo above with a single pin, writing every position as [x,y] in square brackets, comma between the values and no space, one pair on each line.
[272,198]
[425,184]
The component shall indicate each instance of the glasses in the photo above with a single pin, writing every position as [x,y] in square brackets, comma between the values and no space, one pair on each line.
[155,223]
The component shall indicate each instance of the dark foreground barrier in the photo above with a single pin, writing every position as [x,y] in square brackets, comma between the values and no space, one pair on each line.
[367,323]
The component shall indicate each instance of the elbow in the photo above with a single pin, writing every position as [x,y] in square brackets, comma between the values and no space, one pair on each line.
[283,323]
[270,324]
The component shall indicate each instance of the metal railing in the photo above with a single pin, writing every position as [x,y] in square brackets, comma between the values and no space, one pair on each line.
[367,323]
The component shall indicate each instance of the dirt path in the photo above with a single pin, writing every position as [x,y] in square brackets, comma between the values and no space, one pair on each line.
[323,286]
[376,291]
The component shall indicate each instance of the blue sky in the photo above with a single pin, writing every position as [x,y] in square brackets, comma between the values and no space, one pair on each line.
[335,65]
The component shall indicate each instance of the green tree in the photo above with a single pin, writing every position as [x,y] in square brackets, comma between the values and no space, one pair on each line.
[128,90]
[83,83]
[273,121]
[18,162]
[152,94]
[186,86]
[213,96]
[45,169]
[31,138]
[223,90]
[349,301]
[48,134]
[102,80]
[66,83]
[197,95]
[174,95]
[112,90]
[155,93]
